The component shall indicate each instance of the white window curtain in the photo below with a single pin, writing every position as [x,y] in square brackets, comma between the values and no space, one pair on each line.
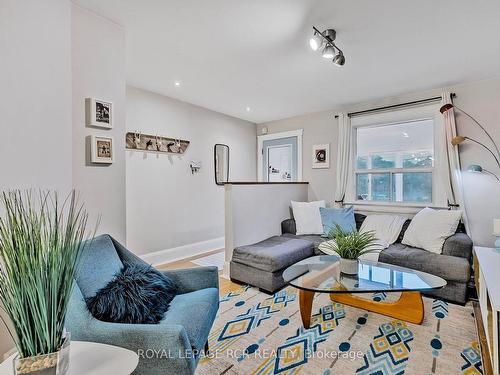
[343,157]
[453,177]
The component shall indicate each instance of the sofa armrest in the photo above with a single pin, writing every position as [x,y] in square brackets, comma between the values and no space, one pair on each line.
[458,245]
[160,347]
[288,226]
[192,279]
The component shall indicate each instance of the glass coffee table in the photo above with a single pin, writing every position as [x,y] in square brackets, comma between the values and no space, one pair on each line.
[321,274]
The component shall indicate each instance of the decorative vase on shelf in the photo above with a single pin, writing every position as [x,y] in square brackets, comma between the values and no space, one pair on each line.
[349,266]
[56,363]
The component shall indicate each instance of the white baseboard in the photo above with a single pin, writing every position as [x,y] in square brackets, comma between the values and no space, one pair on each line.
[176,254]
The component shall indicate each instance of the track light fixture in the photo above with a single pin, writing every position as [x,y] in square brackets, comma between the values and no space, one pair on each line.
[331,51]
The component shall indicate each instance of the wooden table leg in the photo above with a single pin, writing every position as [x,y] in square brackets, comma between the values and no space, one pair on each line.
[409,307]
[305,301]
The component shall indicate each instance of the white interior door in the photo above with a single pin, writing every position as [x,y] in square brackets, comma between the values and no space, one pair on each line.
[279,159]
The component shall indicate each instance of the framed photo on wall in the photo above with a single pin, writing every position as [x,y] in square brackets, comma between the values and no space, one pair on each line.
[99,113]
[321,156]
[102,150]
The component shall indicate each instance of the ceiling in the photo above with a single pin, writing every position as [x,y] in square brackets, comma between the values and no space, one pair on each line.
[229,55]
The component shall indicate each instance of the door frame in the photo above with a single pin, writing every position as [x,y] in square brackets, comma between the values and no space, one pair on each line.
[267,137]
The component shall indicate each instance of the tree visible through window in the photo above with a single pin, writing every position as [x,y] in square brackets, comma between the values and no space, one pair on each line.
[395,163]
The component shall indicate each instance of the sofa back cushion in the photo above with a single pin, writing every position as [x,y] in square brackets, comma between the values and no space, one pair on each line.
[288,226]
[359,218]
[98,264]
[403,230]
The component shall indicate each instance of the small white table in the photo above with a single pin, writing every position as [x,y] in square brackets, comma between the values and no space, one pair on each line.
[487,274]
[90,358]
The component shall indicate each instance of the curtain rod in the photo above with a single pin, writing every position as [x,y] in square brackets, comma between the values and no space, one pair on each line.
[415,102]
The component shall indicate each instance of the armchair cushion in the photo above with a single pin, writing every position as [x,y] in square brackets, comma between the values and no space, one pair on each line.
[98,265]
[137,295]
[195,311]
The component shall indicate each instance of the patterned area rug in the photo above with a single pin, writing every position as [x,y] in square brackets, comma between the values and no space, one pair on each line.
[260,334]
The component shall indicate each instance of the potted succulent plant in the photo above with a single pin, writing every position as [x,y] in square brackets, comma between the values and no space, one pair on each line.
[349,246]
[40,240]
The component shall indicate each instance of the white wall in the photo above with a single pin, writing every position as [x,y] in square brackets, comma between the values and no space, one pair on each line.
[54,54]
[319,128]
[481,191]
[98,68]
[35,100]
[167,206]
[35,94]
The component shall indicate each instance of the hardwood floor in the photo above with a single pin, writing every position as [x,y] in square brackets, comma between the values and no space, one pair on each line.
[225,285]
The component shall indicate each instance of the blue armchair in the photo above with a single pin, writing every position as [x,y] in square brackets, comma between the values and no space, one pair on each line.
[166,348]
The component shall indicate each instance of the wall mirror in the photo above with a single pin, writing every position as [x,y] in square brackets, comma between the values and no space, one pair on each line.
[221,163]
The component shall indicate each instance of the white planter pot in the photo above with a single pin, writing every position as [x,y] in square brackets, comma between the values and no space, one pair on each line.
[349,266]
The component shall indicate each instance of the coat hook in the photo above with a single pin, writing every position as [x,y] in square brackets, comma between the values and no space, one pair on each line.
[158,142]
[137,139]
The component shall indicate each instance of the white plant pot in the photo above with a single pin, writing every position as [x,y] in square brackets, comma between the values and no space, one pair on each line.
[349,266]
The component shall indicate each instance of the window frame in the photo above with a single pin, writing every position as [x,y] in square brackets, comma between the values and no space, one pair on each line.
[400,116]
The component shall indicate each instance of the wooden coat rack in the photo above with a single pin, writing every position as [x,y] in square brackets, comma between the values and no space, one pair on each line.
[155,143]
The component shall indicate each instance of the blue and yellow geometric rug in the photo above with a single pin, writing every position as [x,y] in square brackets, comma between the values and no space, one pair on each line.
[260,334]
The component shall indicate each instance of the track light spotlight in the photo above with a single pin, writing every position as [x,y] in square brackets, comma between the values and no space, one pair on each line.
[316,42]
[339,59]
[328,52]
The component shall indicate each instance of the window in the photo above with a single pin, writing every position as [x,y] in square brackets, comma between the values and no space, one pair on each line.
[394,163]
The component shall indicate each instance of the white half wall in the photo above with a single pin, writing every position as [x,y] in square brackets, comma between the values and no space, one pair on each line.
[98,68]
[171,211]
[481,191]
[254,212]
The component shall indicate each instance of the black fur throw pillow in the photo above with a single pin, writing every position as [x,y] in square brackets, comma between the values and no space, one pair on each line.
[137,295]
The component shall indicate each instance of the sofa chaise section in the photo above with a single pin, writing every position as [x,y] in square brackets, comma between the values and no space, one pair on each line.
[262,264]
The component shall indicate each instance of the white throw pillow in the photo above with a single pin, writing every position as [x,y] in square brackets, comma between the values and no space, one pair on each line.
[430,228]
[307,217]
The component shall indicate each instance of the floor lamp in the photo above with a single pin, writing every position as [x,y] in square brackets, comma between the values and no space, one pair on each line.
[460,139]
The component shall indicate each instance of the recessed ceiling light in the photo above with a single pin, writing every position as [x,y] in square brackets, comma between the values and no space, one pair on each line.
[406,135]
[177,83]
[248,109]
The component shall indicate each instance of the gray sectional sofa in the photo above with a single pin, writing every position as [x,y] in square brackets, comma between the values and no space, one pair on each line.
[263,263]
